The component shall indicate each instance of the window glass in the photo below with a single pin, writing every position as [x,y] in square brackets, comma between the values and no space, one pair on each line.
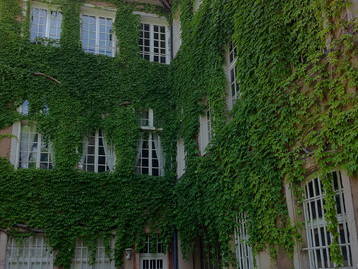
[24,109]
[45,24]
[35,152]
[244,256]
[149,155]
[234,90]
[97,35]
[153,43]
[82,258]
[318,237]
[30,253]
[98,155]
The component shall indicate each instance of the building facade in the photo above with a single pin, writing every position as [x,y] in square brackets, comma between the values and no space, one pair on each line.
[67,108]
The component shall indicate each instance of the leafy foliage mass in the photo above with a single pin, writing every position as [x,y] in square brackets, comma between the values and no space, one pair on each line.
[95,92]
[297,109]
[298,104]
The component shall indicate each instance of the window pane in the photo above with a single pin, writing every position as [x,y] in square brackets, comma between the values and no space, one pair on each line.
[98,155]
[55,25]
[153,43]
[38,23]
[88,33]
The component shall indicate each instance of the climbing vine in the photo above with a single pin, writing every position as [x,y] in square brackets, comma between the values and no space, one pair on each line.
[298,104]
[85,93]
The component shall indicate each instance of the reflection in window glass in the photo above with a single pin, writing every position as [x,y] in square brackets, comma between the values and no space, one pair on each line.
[97,35]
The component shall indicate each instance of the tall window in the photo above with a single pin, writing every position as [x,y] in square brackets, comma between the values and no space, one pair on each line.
[205,131]
[153,43]
[98,156]
[244,257]
[82,258]
[34,151]
[149,156]
[231,73]
[31,253]
[97,35]
[45,24]
[318,238]
[152,255]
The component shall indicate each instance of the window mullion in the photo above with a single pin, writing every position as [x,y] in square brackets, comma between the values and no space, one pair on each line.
[97,35]
[18,146]
[38,153]
[168,51]
[151,42]
[48,17]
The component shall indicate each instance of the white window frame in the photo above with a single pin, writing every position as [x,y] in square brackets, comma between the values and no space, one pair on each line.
[98,12]
[150,125]
[49,9]
[152,257]
[180,158]
[205,130]
[347,219]
[231,65]
[16,142]
[152,19]
[81,259]
[96,153]
[244,253]
[20,254]
[151,130]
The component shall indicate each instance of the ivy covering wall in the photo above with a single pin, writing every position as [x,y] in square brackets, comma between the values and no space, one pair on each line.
[297,76]
[95,92]
[298,103]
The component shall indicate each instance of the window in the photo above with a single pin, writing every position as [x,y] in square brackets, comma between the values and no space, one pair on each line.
[24,108]
[152,255]
[82,257]
[97,35]
[98,156]
[146,118]
[149,162]
[318,238]
[234,91]
[31,253]
[180,158]
[205,131]
[153,43]
[34,150]
[149,158]
[244,257]
[45,24]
